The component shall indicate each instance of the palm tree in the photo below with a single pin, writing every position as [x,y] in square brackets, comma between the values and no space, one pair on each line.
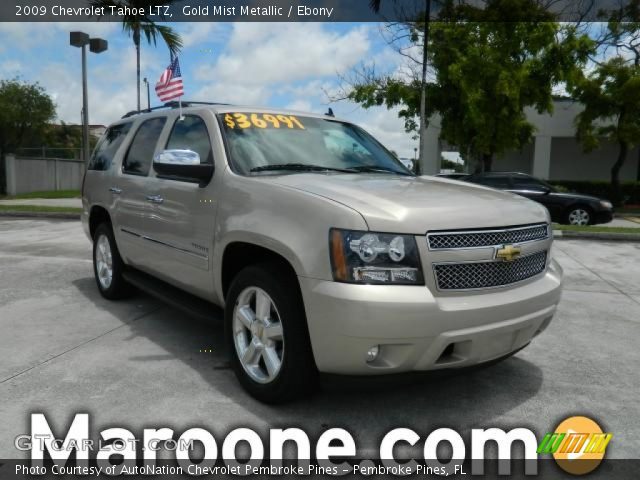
[137,26]
[375,6]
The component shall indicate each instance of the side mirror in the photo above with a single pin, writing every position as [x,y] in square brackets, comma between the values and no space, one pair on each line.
[182,165]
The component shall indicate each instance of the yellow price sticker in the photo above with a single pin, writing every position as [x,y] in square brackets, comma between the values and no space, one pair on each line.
[262,120]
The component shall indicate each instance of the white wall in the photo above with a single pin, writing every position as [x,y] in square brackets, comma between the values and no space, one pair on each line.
[569,162]
[25,175]
[515,161]
[560,123]
[567,159]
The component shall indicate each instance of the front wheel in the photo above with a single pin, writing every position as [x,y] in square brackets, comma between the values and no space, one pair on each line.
[267,334]
[579,216]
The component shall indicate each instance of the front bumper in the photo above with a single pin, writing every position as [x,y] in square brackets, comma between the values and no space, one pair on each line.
[418,331]
[602,216]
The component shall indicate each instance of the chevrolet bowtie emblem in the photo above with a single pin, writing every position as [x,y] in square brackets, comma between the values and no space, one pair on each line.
[508,253]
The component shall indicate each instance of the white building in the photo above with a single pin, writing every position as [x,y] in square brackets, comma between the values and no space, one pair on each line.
[555,154]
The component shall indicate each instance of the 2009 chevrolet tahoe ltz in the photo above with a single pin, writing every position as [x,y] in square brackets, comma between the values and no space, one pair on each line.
[326,253]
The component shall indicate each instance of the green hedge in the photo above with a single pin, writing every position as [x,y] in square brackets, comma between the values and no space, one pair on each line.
[630,191]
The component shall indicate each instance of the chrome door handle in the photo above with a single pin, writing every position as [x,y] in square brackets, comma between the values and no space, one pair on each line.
[115,190]
[155,198]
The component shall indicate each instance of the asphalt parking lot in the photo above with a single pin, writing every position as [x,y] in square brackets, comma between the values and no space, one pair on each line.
[138,363]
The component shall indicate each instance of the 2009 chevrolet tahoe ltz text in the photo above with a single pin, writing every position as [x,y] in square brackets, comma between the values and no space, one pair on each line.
[326,253]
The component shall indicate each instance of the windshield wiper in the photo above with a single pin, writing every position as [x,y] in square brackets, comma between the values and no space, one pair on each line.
[303,167]
[299,167]
[374,169]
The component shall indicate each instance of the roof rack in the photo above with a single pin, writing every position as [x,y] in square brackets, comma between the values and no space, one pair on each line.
[172,105]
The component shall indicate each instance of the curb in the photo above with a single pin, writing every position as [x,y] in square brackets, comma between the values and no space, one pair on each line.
[630,218]
[44,215]
[619,237]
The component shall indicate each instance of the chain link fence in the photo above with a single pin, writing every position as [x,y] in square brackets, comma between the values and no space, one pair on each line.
[50,152]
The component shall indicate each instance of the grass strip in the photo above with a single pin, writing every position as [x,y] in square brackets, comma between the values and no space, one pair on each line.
[51,194]
[39,209]
[595,228]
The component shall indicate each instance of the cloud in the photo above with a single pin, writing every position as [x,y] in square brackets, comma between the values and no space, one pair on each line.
[386,127]
[94,29]
[311,89]
[268,53]
[64,89]
[112,92]
[10,68]
[301,105]
[23,35]
[230,93]
[291,63]
[200,34]
[288,65]
[28,35]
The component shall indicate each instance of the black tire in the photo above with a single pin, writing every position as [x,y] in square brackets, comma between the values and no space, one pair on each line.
[297,375]
[574,210]
[118,287]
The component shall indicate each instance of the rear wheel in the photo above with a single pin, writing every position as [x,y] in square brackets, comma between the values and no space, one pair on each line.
[579,215]
[267,334]
[108,266]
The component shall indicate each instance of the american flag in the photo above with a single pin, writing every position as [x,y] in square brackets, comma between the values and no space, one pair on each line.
[170,84]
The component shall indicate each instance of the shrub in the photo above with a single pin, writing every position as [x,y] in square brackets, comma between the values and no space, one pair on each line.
[449,165]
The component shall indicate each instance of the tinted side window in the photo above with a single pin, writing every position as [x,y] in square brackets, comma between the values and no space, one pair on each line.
[494,181]
[527,183]
[191,133]
[108,146]
[140,154]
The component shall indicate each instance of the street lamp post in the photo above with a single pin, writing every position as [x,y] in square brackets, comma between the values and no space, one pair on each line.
[96,45]
[146,82]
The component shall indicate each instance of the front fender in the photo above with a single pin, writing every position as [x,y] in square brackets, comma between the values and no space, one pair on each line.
[287,221]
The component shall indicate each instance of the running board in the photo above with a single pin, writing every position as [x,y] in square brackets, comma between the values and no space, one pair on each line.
[189,304]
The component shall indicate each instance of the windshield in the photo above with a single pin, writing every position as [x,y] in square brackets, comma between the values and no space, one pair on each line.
[263,142]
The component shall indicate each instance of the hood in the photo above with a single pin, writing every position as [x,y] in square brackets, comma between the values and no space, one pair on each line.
[575,196]
[415,205]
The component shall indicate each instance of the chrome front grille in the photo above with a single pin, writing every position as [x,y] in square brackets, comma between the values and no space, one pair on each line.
[486,238]
[488,274]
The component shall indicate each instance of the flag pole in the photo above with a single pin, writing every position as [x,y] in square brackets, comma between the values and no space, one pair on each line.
[180,107]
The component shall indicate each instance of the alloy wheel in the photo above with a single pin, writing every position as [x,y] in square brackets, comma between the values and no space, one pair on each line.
[579,216]
[257,335]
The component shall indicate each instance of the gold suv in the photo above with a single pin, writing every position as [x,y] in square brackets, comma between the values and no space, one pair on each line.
[325,252]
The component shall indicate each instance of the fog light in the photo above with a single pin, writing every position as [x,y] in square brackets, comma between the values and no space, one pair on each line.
[372,354]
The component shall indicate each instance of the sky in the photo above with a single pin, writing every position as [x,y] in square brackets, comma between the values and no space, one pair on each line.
[288,65]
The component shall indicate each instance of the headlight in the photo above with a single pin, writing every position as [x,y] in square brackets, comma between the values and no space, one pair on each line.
[606,204]
[378,258]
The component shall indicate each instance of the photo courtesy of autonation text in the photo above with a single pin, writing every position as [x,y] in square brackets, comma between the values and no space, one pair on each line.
[319,239]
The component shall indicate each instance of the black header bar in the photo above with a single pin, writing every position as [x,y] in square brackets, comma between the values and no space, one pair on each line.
[277,10]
